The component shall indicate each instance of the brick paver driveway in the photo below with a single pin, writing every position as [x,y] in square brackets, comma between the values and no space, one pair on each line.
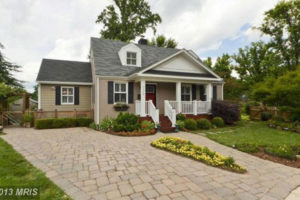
[93,165]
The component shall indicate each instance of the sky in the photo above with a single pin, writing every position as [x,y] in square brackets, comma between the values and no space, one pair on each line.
[32,30]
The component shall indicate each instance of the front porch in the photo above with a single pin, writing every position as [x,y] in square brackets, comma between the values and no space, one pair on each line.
[170,98]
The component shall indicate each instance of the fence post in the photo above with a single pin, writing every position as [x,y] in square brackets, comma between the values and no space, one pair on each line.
[195,107]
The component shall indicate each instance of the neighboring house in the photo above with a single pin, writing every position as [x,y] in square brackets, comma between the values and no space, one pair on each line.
[150,80]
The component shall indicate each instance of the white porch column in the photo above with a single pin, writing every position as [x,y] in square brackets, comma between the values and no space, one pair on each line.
[178,96]
[222,91]
[209,92]
[39,97]
[143,98]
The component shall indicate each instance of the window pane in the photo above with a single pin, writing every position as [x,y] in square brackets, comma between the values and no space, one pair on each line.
[123,98]
[64,99]
[123,87]
[117,98]
[70,91]
[128,54]
[117,87]
[133,62]
[70,99]
[128,62]
[64,91]
[133,55]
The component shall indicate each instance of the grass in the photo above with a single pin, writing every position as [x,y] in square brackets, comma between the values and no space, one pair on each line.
[15,170]
[251,136]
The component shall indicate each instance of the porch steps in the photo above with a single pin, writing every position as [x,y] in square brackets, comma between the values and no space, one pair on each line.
[165,124]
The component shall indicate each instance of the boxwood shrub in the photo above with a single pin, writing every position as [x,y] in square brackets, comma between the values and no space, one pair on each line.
[203,124]
[126,122]
[62,123]
[190,124]
[218,122]
[180,117]
[230,112]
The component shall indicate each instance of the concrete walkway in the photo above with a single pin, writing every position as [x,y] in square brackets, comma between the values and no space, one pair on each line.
[94,165]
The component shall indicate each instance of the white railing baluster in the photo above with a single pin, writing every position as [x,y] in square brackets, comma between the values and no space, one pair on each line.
[170,112]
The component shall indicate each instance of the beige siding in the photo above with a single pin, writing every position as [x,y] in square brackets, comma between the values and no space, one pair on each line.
[48,99]
[219,92]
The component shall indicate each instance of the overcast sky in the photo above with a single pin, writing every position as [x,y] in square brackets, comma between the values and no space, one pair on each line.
[34,29]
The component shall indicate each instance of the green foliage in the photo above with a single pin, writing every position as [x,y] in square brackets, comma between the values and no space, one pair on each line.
[127,20]
[248,105]
[15,170]
[7,69]
[281,24]
[62,123]
[34,95]
[218,122]
[28,118]
[265,116]
[208,62]
[234,89]
[126,122]
[106,124]
[162,41]
[247,147]
[93,125]
[223,66]
[282,92]
[180,124]
[190,124]
[147,126]
[203,124]
[180,116]
[229,161]
[8,94]
[283,151]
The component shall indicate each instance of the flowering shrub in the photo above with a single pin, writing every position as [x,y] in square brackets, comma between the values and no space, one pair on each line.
[203,154]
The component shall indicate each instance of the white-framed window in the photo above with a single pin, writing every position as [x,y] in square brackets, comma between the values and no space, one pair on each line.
[120,92]
[131,58]
[185,93]
[67,95]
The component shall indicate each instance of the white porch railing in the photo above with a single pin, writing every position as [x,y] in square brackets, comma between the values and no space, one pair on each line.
[192,107]
[170,113]
[150,110]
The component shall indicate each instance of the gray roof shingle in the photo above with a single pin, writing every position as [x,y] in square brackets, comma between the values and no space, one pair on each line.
[107,62]
[65,71]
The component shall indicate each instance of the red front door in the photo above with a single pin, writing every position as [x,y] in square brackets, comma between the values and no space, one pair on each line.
[151,93]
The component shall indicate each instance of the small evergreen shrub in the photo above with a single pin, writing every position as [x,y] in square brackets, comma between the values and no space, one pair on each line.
[28,118]
[190,124]
[83,121]
[218,122]
[229,112]
[147,126]
[62,123]
[93,125]
[203,124]
[180,117]
[126,122]
[180,124]
[265,116]
[106,124]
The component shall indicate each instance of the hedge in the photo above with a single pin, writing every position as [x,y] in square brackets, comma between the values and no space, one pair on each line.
[62,123]
[229,112]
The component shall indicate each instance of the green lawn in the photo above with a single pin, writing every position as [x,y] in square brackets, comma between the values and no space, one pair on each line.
[252,136]
[16,171]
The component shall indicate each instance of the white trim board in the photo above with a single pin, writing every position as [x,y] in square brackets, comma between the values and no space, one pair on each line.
[64,83]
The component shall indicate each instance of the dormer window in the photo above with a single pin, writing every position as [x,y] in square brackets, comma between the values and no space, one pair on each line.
[131,58]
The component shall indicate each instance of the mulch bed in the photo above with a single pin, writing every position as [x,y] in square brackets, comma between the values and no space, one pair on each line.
[131,134]
[291,163]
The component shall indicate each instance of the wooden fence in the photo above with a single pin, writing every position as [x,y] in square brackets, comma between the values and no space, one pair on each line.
[63,114]
[255,112]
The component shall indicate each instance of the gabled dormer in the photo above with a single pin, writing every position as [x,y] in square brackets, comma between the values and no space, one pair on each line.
[131,55]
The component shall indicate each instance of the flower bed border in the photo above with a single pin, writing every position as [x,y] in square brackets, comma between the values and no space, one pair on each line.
[235,168]
[127,134]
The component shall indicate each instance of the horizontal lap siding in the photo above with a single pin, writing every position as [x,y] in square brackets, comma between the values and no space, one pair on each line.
[48,99]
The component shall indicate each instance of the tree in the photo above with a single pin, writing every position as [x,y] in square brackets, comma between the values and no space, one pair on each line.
[162,41]
[8,94]
[282,24]
[35,93]
[255,62]
[132,19]
[223,66]
[6,70]
[208,62]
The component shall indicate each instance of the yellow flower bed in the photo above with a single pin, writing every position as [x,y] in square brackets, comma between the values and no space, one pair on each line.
[203,154]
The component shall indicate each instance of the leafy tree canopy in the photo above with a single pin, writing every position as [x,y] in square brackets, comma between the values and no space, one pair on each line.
[282,24]
[6,70]
[223,66]
[162,41]
[208,62]
[126,21]
[8,94]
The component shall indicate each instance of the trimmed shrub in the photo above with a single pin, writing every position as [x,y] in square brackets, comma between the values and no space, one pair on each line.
[229,112]
[93,125]
[265,116]
[180,124]
[126,122]
[190,124]
[203,124]
[180,117]
[218,122]
[106,124]
[62,123]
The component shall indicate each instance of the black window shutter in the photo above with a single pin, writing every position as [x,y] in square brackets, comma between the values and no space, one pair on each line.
[57,95]
[110,93]
[214,92]
[193,92]
[76,93]
[202,93]
[130,92]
